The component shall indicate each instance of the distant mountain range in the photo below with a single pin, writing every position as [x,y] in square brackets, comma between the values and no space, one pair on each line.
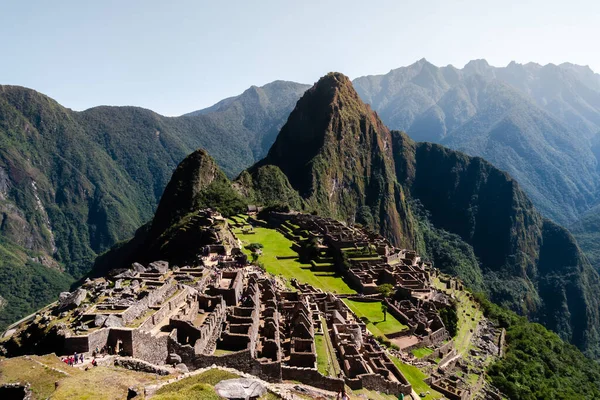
[535,122]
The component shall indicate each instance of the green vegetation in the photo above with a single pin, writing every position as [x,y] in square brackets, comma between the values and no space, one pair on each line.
[450,253]
[210,378]
[371,395]
[327,362]
[415,377]
[373,313]
[26,285]
[450,319]
[463,318]
[421,352]
[276,245]
[386,289]
[537,363]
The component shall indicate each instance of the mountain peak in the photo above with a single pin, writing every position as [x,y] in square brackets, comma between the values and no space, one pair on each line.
[329,115]
[337,154]
[196,172]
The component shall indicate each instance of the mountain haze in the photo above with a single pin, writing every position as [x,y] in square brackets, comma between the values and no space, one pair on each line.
[536,122]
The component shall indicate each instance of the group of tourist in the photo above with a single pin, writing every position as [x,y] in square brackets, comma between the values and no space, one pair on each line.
[74,359]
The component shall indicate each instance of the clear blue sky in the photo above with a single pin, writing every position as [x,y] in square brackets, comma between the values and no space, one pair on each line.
[178,56]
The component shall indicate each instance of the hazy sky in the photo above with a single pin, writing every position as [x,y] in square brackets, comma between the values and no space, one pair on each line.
[178,56]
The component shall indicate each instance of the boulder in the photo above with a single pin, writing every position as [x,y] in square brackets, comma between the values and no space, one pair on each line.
[113,321]
[174,358]
[240,388]
[127,274]
[182,368]
[99,320]
[67,301]
[137,267]
[159,266]
[135,284]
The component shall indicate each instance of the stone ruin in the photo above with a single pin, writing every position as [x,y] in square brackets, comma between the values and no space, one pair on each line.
[225,312]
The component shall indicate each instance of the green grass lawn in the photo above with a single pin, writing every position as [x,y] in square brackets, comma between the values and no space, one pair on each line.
[466,323]
[415,377]
[372,311]
[327,362]
[275,244]
[322,355]
[421,352]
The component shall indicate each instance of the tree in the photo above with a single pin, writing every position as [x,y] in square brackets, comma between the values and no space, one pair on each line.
[450,319]
[254,246]
[387,290]
[384,310]
[310,249]
[254,257]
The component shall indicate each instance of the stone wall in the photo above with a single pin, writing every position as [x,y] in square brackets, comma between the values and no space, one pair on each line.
[98,339]
[501,342]
[121,337]
[140,365]
[164,311]
[243,361]
[450,393]
[379,383]
[440,352]
[76,344]
[14,391]
[153,349]
[186,352]
[155,296]
[312,377]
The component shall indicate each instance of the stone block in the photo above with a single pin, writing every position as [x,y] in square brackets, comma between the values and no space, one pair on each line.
[159,266]
[67,301]
[113,321]
[137,267]
[174,359]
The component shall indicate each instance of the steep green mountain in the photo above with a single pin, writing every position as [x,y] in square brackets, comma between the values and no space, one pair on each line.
[337,154]
[72,184]
[178,230]
[535,122]
[522,259]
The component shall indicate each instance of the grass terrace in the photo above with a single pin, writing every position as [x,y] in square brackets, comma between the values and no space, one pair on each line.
[327,362]
[421,352]
[372,311]
[276,245]
[415,376]
[469,316]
